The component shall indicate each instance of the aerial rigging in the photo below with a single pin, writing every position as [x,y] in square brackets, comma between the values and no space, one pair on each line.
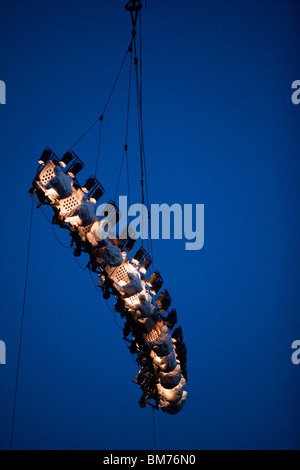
[148,329]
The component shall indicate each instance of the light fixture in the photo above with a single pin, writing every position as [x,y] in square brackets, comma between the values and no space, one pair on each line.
[147,261]
[46,156]
[139,256]
[98,192]
[76,167]
[171,319]
[111,213]
[89,184]
[67,158]
[129,244]
[155,282]
[128,238]
[143,259]
[153,278]
[164,301]
[158,284]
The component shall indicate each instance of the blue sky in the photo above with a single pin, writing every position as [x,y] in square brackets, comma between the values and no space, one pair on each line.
[220,130]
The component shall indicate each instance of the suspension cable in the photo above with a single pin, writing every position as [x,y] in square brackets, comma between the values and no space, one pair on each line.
[143,145]
[125,153]
[144,180]
[107,101]
[139,130]
[84,134]
[21,330]
[99,142]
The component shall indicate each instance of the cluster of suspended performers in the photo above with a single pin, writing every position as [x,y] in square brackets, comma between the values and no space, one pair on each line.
[161,355]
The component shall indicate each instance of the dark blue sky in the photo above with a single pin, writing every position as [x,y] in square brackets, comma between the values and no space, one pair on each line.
[220,129]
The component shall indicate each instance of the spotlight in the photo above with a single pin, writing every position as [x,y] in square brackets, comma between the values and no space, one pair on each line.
[128,238]
[129,244]
[98,192]
[155,282]
[164,301]
[147,261]
[177,334]
[139,256]
[89,184]
[153,278]
[66,159]
[76,167]
[112,213]
[46,156]
[158,284]
[55,161]
[171,319]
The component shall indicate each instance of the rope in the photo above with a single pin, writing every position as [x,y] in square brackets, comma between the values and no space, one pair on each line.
[125,153]
[118,183]
[61,243]
[22,322]
[96,288]
[45,215]
[107,102]
[117,77]
[84,134]
[52,225]
[143,146]
[144,179]
[140,138]
[143,156]
[81,267]
[99,141]
[127,125]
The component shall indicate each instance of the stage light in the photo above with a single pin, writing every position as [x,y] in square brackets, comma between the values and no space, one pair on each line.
[128,238]
[147,261]
[98,192]
[171,319]
[155,282]
[157,285]
[111,213]
[89,184]
[66,159]
[153,278]
[139,256]
[46,156]
[76,167]
[129,244]
[164,301]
